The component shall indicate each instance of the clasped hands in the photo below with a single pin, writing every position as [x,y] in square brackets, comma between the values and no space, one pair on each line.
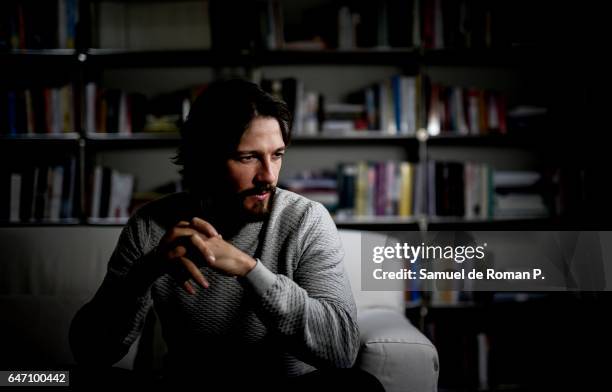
[206,244]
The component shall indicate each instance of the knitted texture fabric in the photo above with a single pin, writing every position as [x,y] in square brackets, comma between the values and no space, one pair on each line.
[300,316]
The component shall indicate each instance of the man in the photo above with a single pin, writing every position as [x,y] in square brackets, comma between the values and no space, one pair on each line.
[247,279]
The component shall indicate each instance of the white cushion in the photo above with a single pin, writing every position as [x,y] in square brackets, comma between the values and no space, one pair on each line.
[397,353]
[351,240]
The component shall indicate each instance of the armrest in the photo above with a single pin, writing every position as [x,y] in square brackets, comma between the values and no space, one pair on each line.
[397,353]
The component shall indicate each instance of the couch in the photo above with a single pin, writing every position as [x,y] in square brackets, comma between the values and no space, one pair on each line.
[47,273]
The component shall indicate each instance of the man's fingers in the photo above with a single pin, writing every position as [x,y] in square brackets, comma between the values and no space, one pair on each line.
[188,287]
[194,272]
[177,232]
[204,227]
[201,245]
[176,240]
[177,252]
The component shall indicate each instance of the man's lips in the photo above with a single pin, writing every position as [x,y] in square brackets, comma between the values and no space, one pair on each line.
[261,196]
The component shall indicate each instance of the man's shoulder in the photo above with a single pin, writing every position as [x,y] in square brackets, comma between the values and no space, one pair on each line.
[290,205]
[296,218]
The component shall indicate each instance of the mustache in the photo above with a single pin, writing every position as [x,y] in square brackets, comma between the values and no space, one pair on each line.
[257,190]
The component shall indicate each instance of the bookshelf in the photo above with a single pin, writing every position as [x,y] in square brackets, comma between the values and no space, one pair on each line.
[48,139]
[353,136]
[112,140]
[52,58]
[82,57]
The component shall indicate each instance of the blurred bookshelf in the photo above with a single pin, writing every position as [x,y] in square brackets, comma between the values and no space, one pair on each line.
[35,138]
[353,137]
[124,58]
[32,58]
[148,139]
[89,43]
[106,221]
[43,223]
[378,223]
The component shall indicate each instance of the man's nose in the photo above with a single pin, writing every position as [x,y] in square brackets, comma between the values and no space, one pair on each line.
[265,172]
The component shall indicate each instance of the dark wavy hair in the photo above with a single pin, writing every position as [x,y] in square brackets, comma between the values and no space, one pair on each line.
[216,122]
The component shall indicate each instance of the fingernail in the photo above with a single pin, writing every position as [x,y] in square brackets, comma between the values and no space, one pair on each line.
[190,289]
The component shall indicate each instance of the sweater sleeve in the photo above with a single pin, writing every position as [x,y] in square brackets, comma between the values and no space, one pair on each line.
[103,330]
[315,312]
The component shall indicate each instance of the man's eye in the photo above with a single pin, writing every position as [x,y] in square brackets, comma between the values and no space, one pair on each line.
[279,154]
[246,158]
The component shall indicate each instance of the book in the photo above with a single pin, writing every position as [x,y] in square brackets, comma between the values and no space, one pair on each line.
[5,194]
[408,106]
[121,189]
[347,184]
[28,188]
[15,197]
[154,25]
[406,189]
[40,209]
[91,97]
[105,192]
[56,193]
[483,361]
[96,191]
[68,189]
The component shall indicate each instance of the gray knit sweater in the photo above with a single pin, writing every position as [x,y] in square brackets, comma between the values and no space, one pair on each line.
[292,313]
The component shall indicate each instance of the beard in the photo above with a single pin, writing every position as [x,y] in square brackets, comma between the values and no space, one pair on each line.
[227,211]
[255,210]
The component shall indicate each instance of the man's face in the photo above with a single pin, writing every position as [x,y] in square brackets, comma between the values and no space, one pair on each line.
[255,165]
